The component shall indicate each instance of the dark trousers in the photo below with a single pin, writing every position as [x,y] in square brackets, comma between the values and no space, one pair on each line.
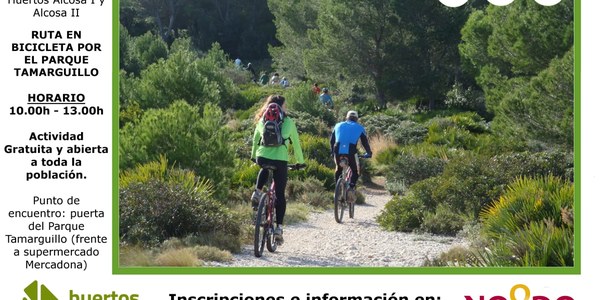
[280,176]
[353,166]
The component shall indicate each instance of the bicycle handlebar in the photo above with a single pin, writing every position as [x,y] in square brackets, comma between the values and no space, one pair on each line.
[364,156]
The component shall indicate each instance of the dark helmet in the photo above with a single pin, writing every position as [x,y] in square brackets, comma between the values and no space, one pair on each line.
[325,90]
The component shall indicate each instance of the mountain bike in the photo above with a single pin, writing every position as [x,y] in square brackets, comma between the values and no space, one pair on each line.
[264,227]
[340,198]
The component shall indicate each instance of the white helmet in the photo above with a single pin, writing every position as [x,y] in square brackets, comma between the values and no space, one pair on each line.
[352,114]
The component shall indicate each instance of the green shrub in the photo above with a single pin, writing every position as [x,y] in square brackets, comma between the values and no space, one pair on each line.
[366,107]
[155,211]
[470,121]
[388,155]
[409,168]
[143,51]
[301,98]
[296,187]
[470,182]
[366,171]
[309,191]
[316,170]
[469,99]
[460,131]
[443,221]
[296,212]
[161,171]
[402,214]
[184,76]
[319,199]
[395,187]
[451,137]
[554,162]
[424,115]
[307,124]
[129,108]
[245,175]
[257,94]
[395,125]
[380,123]
[528,200]
[185,137]
[318,149]
[533,223]
[407,132]
[360,197]
[425,191]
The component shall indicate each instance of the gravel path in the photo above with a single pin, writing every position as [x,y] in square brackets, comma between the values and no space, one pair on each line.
[321,241]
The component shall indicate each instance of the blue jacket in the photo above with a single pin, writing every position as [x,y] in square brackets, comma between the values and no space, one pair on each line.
[345,136]
[326,100]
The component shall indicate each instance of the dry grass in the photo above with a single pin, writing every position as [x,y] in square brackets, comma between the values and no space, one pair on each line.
[132,256]
[296,212]
[184,257]
[379,143]
[173,253]
[208,253]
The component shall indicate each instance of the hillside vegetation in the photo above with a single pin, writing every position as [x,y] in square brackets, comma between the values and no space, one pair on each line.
[469,111]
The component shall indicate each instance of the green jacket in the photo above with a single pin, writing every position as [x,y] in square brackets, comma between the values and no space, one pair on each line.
[289,134]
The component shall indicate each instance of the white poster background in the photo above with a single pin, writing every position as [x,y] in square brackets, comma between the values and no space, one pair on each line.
[95,192]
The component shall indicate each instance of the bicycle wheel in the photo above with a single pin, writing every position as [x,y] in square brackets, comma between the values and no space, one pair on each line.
[271,244]
[339,202]
[260,226]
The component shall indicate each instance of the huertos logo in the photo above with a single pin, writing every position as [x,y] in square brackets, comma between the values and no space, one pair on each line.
[112,296]
[43,293]
[34,293]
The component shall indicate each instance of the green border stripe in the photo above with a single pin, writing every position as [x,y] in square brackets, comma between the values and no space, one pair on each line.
[577,135]
[349,270]
[115,138]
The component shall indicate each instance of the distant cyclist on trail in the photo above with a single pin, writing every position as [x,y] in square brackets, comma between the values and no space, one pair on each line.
[343,142]
[265,152]
[252,72]
[275,79]
[316,89]
[326,98]
[284,83]
[264,79]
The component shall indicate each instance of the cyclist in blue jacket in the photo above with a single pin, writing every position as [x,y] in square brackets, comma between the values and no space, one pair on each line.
[344,141]
[326,99]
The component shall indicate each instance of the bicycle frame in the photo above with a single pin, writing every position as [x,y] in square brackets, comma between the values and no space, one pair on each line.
[340,199]
[264,230]
[271,200]
[347,171]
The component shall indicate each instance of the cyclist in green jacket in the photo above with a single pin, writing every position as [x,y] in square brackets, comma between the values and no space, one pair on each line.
[275,155]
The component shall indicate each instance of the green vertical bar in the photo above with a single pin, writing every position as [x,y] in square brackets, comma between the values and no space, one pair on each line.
[115,135]
[577,137]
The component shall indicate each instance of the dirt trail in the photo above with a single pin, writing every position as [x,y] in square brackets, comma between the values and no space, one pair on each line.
[321,241]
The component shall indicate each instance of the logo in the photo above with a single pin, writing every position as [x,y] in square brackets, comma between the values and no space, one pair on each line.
[32,292]
[513,295]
